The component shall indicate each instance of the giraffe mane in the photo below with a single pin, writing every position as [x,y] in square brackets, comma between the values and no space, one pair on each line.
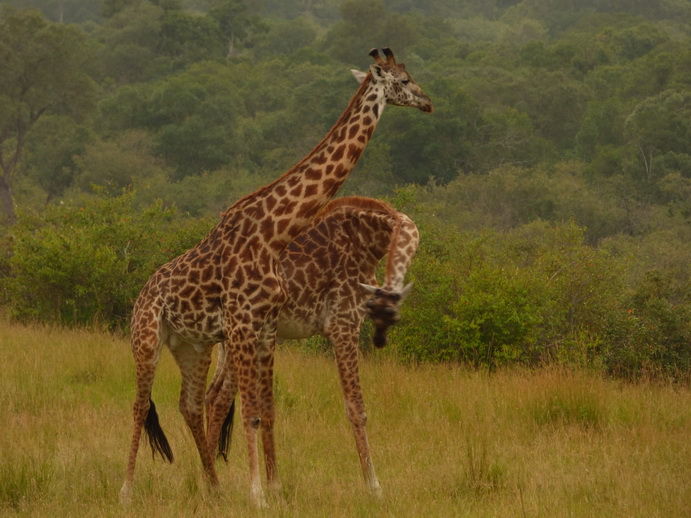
[357,202]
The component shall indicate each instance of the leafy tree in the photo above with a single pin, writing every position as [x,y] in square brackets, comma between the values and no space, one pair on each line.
[111,166]
[367,24]
[144,40]
[286,37]
[556,104]
[236,22]
[660,125]
[43,70]
[325,11]
[603,125]
[63,11]
[363,14]
[53,147]
[125,108]
[112,7]
[193,116]
[415,158]
[635,42]
[187,38]
[523,31]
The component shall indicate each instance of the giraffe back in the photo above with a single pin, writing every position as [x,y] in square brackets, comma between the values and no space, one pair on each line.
[324,267]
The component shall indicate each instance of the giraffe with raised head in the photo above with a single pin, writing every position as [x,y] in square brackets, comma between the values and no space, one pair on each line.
[228,288]
[329,277]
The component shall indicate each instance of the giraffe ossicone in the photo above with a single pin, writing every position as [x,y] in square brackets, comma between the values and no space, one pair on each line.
[229,288]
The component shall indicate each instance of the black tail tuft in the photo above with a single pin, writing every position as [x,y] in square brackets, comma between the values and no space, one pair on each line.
[157,439]
[226,433]
[379,338]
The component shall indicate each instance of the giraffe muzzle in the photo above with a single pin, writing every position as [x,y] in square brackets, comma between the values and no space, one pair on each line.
[379,338]
[426,105]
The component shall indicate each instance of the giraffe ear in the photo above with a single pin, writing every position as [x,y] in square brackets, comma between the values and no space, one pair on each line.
[358,75]
[377,72]
[367,288]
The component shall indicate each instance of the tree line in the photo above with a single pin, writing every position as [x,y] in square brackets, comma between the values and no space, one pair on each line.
[561,129]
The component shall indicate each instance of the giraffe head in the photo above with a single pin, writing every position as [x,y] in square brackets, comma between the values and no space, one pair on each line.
[384,309]
[398,87]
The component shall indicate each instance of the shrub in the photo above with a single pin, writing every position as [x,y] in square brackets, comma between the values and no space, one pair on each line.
[85,264]
[535,294]
[653,336]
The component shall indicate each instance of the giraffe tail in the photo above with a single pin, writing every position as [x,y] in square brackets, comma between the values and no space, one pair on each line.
[157,439]
[226,433]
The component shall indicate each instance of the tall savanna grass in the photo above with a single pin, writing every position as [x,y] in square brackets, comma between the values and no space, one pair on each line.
[446,441]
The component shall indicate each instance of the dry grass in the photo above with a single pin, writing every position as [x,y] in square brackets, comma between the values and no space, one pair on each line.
[446,441]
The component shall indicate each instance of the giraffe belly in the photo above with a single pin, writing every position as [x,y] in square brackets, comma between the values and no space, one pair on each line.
[296,323]
[289,329]
[197,327]
[197,336]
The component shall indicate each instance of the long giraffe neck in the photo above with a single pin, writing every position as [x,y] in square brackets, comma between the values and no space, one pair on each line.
[404,240]
[285,207]
[379,230]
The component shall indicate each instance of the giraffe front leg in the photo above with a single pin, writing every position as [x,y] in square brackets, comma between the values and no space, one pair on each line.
[243,342]
[267,406]
[346,351]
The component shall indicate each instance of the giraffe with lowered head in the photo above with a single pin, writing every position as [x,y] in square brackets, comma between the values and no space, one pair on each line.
[228,287]
[329,276]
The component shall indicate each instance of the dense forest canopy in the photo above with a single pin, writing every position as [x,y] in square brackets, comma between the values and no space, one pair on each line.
[561,118]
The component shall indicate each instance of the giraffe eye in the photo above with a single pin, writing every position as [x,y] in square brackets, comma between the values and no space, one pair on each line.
[405,81]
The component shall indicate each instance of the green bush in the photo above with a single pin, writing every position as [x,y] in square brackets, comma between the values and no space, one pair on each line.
[535,294]
[85,264]
[653,336]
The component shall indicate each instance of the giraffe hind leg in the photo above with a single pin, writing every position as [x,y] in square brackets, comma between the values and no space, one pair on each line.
[194,365]
[146,348]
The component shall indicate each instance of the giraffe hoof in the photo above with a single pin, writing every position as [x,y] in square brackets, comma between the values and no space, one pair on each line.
[275,486]
[375,490]
[259,501]
[126,495]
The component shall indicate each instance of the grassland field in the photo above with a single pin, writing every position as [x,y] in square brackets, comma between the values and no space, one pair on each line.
[446,441]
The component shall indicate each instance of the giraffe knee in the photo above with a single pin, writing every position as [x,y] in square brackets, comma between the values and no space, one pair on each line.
[188,411]
[358,419]
[267,423]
